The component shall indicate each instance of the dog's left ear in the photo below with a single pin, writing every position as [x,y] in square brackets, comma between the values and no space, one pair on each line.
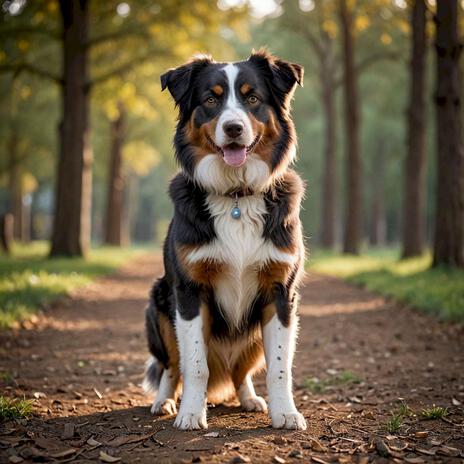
[282,75]
[179,80]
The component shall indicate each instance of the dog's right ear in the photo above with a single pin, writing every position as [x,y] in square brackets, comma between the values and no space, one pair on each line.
[179,80]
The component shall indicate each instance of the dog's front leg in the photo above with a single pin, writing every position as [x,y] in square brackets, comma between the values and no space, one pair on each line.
[194,369]
[279,346]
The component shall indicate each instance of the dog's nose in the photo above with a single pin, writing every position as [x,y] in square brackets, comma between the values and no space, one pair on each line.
[233,129]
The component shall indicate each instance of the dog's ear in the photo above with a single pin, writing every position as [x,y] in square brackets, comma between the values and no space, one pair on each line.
[282,75]
[179,80]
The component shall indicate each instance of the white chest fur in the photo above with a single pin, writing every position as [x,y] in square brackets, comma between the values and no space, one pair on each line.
[241,247]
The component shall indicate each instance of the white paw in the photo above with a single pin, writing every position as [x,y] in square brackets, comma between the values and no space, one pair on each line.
[190,420]
[162,408]
[255,403]
[288,420]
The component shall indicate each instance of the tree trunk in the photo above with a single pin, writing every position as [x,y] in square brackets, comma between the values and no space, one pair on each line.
[415,162]
[353,225]
[449,217]
[378,226]
[114,234]
[15,185]
[71,227]
[329,183]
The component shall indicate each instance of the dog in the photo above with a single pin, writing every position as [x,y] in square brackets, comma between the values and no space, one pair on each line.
[234,251]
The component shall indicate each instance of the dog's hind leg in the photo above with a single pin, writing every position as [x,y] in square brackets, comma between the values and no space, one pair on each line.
[249,400]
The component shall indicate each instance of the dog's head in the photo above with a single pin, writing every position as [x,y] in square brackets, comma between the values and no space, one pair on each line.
[234,118]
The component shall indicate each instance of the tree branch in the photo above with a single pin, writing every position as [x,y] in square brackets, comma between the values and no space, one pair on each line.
[30,68]
[25,30]
[369,61]
[126,67]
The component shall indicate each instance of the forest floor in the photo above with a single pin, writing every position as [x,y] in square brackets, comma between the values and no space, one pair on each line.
[375,380]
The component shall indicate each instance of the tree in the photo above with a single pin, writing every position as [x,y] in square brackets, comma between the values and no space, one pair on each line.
[353,209]
[114,207]
[415,161]
[449,219]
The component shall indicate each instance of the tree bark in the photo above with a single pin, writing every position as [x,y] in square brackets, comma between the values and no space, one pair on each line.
[329,183]
[415,162]
[15,186]
[353,208]
[378,224]
[71,227]
[449,217]
[114,233]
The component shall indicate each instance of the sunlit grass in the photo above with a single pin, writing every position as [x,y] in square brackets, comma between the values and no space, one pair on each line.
[14,408]
[434,412]
[28,279]
[315,385]
[394,423]
[439,291]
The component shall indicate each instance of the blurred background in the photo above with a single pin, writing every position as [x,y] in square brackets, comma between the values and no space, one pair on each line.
[85,134]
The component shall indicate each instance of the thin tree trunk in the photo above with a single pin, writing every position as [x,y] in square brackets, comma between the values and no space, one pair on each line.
[15,185]
[71,228]
[353,224]
[415,162]
[329,183]
[378,226]
[115,200]
[449,217]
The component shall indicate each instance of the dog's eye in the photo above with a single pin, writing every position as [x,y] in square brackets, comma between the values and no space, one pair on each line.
[211,101]
[252,99]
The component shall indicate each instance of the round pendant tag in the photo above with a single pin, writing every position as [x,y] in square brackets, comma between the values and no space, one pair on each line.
[236,213]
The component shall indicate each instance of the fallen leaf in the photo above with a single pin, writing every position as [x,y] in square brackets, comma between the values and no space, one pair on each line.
[421,434]
[278,460]
[15,459]
[430,452]
[64,453]
[92,442]
[126,439]
[381,447]
[68,431]
[456,402]
[448,451]
[100,396]
[316,445]
[39,395]
[107,458]
[416,460]
[212,434]
[281,441]
[240,459]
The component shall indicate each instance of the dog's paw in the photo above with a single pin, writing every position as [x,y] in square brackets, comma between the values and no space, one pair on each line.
[165,407]
[255,403]
[191,421]
[288,420]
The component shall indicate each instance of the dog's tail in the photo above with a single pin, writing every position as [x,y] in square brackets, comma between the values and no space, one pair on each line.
[155,365]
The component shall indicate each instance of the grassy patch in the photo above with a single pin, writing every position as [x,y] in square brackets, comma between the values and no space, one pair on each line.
[394,423]
[434,412]
[342,378]
[14,408]
[28,279]
[438,291]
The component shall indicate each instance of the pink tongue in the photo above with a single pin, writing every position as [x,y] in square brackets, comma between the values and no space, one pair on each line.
[234,156]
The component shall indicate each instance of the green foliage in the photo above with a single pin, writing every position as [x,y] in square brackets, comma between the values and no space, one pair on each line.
[438,291]
[394,423]
[11,408]
[434,412]
[28,279]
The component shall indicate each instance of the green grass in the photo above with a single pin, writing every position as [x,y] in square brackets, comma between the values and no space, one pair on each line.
[14,408]
[28,279]
[439,291]
[319,386]
[394,423]
[434,412]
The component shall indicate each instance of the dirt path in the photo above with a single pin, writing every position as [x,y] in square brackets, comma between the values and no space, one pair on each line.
[84,361]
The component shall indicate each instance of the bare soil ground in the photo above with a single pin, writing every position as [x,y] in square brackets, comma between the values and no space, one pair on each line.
[82,363]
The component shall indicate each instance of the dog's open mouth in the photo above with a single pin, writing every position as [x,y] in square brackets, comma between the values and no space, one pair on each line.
[233,153]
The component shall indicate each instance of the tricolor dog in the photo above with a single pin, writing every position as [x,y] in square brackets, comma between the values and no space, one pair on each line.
[234,252]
